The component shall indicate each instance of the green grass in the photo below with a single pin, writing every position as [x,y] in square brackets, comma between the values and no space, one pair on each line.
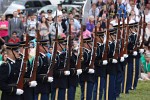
[141,93]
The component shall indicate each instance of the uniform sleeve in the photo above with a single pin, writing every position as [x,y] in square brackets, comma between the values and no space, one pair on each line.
[4,71]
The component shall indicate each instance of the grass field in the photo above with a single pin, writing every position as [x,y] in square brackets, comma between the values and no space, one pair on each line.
[141,93]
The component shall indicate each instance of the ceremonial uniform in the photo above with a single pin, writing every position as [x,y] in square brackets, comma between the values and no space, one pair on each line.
[100,73]
[43,86]
[72,78]
[112,72]
[86,78]
[9,73]
[60,80]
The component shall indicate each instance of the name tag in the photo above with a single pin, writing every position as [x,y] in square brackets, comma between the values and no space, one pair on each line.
[3,25]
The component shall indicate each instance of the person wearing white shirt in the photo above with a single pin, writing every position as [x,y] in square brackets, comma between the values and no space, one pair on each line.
[59,10]
[131,6]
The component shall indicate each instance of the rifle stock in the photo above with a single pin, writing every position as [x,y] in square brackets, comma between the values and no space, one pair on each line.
[107,40]
[123,39]
[23,64]
[118,40]
[36,60]
[93,53]
[80,51]
[68,51]
[52,64]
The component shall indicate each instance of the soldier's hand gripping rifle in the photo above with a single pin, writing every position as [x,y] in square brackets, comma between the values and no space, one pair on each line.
[53,57]
[105,62]
[36,60]
[142,43]
[126,40]
[116,55]
[24,62]
[68,53]
[80,54]
[93,53]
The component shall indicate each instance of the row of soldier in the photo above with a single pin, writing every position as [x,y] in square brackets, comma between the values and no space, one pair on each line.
[105,65]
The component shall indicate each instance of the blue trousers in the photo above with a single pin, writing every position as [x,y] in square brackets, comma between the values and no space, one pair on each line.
[136,72]
[43,96]
[61,94]
[129,74]
[89,90]
[102,88]
[71,92]
[119,79]
[111,90]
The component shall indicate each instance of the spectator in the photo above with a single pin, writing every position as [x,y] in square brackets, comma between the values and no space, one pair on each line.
[32,27]
[121,8]
[134,17]
[147,15]
[44,29]
[100,4]
[14,38]
[4,29]
[50,20]
[76,22]
[15,24]
[59,10]
[86,33]
[90,25]
[94,11]
[74,29]
[60,28]
[147,34]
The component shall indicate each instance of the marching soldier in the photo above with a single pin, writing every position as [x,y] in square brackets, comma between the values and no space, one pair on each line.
[9,74]
[28,87]
[42,89]
[100,70]
[59,83]
[86,79]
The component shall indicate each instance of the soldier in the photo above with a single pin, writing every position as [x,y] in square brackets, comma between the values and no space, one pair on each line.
[59,83]
[43,88]
[9,74]
[86,79]
[100,70]
[28,86]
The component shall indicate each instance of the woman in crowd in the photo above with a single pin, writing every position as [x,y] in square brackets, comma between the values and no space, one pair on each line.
[90,25]
[44,29]
[4,29]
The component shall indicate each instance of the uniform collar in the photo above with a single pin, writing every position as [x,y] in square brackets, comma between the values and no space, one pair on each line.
[11,59]
[42,54]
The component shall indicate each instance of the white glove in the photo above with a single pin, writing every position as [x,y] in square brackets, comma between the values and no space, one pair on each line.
[105,62]
[67,73]
[125,55]
[91,71]
[122,59]
[141,50]
[50,79]
[114,61]
[33,84]
[79,71]
[135,53]
[19,92]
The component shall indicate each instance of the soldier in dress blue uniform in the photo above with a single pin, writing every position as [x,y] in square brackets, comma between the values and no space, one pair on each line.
[87,78]
[9,73]
[100,70]
[111,69]
[60,83]
[43,88]
[131,53]
[28,87]
[73,77]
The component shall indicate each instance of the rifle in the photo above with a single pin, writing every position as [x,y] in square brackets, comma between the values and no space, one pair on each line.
[36,60]
[138,37]
[52,64]
[24,62]
[93,53]
[127,35]
[80,51]
[107,40]
[68,51]
[118,40]
[144,26]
